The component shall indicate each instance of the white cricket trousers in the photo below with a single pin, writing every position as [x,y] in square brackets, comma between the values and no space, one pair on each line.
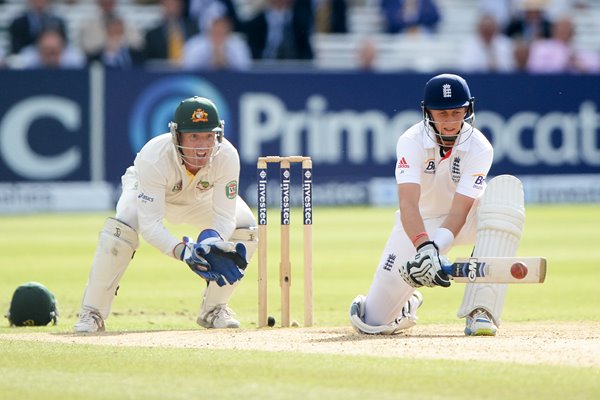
[389,292]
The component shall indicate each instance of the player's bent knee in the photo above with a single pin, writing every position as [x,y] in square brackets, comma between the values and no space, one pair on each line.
[116,246]
[248,236]
[118,230]
[357,314]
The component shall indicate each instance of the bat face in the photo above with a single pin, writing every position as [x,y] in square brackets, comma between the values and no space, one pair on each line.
[498,270]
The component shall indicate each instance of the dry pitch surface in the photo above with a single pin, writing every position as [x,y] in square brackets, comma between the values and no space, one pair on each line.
[570,344]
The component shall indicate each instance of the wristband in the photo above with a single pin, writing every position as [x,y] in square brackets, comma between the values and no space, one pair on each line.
[443,238]
[418,236]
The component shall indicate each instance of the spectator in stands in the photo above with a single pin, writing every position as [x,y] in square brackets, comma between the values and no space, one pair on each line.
[93,34]
[331,16]
[218,49]
[521,54]
[489,50]
[501,10]
[559,55]
[558,8]
[367,55]
[165,42]
[2,58]
[410,16]
[530,22]
[51,52]
[204,11]
[282,30]
[117,53]
[25,29]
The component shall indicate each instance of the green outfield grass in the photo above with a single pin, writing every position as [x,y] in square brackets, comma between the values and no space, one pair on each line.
[159,293]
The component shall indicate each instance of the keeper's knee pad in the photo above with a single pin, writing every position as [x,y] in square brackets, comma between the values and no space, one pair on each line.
[248,236]
[117,243]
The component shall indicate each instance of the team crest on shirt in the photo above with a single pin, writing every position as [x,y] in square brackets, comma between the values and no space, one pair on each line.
[203,185]
[177,187]
[199,115]
[231,189]
[455,169]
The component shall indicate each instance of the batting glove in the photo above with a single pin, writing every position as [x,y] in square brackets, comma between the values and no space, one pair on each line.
[425,268]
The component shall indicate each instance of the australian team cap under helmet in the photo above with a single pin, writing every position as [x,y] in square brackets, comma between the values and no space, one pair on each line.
[446,91]
[197,114]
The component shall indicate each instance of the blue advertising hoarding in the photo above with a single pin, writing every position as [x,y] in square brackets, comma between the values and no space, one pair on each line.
[347,122]
[44,126]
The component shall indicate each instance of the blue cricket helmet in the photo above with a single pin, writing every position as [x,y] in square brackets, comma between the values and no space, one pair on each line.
[446,91]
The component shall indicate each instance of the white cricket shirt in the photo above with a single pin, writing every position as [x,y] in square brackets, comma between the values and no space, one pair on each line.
[463,170]
[168,191]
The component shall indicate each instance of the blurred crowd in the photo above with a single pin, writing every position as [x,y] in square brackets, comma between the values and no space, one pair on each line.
[533,36]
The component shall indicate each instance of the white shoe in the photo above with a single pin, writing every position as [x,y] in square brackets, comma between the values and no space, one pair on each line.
[480,323]
[219,317]
[89,321]
[408,319]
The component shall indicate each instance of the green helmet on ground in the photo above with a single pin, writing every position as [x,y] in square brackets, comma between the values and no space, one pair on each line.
[32,304]
[197,114]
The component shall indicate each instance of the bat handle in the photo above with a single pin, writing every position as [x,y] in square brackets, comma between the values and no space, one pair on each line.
[447,269]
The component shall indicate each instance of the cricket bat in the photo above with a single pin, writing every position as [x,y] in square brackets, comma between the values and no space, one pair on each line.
[497,270]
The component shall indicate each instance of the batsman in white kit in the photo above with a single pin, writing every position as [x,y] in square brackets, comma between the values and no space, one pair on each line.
[189,175]
[444,200]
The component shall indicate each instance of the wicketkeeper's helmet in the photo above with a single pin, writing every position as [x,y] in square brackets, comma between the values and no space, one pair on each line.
[32,305]
[197,114]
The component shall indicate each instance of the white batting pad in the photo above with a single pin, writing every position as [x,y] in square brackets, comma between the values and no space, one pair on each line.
[116,244]
[501,218]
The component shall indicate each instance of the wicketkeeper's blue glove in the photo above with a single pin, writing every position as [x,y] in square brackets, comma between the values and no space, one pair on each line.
[226,260]
[196,261]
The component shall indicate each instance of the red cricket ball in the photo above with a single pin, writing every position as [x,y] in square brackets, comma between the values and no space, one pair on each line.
[518,270]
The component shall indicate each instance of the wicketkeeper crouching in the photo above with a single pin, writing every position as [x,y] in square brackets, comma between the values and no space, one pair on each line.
[188,175]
